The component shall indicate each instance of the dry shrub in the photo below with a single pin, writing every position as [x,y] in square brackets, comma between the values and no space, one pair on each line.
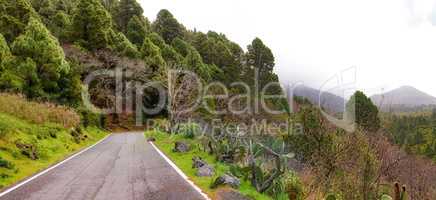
[39,113]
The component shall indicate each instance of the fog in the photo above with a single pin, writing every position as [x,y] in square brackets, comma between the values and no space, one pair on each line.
[389,43]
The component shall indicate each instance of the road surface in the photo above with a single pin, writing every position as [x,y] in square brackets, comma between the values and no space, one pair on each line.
[122,167]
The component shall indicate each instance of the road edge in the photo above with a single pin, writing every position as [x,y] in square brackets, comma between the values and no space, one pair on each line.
[179,171]
[27,180]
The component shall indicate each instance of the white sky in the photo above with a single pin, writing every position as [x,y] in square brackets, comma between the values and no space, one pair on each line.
[390,42]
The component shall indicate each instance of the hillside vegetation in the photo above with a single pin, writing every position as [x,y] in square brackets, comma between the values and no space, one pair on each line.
[30,143]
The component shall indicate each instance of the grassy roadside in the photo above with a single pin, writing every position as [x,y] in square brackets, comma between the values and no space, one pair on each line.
[165,143]
[21,141]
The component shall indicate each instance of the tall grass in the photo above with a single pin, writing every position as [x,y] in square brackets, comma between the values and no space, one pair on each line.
[39,113]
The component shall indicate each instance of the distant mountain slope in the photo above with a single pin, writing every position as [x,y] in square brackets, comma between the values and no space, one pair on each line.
[405,96]
[329,101]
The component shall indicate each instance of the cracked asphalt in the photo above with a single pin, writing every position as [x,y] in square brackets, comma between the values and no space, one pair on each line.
[122,167]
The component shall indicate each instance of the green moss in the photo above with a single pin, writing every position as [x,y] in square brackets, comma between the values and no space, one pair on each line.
[165,143]
[53,143]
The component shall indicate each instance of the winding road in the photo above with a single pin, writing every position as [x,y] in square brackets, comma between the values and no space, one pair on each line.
[122,167]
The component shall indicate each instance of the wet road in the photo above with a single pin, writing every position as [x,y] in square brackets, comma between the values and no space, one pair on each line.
[122,167]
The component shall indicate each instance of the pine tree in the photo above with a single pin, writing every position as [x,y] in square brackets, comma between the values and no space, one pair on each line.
[167,26]
[157,40]
[123,45]
[43,49]
[361,109]
[182,47]
[151,55]
[14,15]
[92,25]
[137,30]
[126,10]
[260,56]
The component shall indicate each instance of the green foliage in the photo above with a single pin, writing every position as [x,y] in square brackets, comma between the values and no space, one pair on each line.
[171,56]
[14,15]
[127,9]
[416,134]
[217,50]
[361,110]
[137,30]
[151,54]
[91,25]
[182,47]
[60,25]
[43,49]
[5,52]
[189,130]
[157,40]
[167,26]
[21,76]
[123,45]
[6,164]
[260,56]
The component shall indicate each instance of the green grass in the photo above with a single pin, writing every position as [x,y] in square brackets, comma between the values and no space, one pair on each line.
[52,141]
[165,143]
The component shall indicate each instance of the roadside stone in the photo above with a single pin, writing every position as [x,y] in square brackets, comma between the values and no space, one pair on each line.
[197,162]
[227,179]
[205,170]
[181,147]
[151,139]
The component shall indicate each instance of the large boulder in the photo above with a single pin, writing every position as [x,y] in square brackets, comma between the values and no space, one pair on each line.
[181,147]
[227,179]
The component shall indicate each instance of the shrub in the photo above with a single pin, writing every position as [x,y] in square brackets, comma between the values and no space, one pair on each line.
[6,164]
[39,113]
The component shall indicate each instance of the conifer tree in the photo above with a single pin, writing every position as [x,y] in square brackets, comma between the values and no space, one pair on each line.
[151,55]
[38,45]
[123,45]
[167,26]
[137,30]
[126,10]
[92,25]
[14,15]
[260,56]
[361,109]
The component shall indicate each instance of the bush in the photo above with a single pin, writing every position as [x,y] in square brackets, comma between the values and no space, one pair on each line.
[91,119]
[6,164]
[189,130]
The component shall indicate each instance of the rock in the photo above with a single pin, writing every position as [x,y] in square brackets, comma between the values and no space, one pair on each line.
[205,170]
[181,147]
[227,179]
[151,139]
[197,162]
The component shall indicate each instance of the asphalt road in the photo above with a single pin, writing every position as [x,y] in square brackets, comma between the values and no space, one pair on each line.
[122,167]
